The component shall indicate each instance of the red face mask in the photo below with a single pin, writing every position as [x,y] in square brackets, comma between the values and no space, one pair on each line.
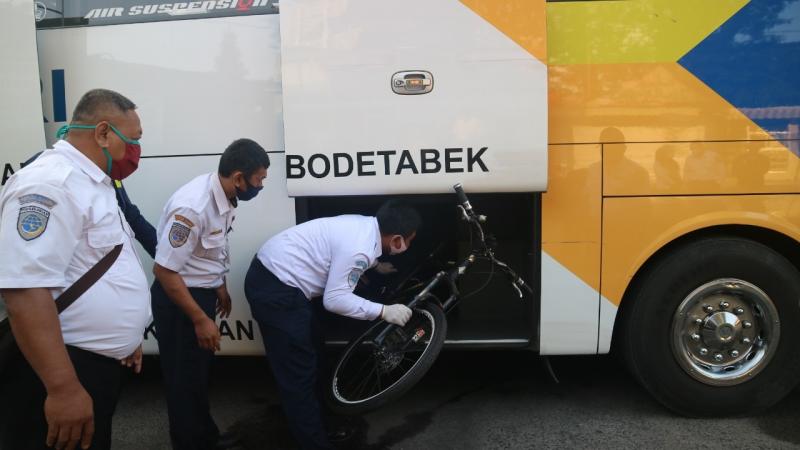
[128,164]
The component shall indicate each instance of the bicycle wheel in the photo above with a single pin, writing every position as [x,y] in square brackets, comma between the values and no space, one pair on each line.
[369,374]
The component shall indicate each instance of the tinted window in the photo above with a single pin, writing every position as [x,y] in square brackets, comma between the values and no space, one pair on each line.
[61,13]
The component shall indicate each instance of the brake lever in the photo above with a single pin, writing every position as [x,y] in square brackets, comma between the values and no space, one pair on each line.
[516,288]
[520,283]
[516,281]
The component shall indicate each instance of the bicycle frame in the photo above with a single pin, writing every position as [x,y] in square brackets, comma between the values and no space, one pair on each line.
[450,276]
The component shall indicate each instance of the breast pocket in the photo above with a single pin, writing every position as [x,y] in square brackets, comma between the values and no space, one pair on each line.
[103,239]
[212,247]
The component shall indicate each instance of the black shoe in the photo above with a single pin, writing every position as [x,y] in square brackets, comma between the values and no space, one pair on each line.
[227,440]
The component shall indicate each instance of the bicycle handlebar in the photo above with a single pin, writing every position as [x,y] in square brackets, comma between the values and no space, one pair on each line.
[462,198]
[516,281]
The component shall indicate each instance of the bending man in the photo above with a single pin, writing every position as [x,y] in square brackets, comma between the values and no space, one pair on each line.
[323,257]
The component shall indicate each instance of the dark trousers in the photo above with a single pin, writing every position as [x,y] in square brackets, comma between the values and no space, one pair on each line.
[292,342]
[24,426]
[185,367]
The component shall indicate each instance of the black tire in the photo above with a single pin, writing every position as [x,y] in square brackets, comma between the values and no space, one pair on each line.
[345,403]
[654,330]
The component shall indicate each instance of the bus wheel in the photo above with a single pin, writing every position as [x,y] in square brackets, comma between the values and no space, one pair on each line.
[714,326]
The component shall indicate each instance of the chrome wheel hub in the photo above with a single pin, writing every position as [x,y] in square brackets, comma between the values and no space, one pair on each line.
[721,329]
[725,332]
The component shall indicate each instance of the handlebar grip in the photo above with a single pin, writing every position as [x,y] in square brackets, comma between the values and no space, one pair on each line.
[527,288]
[462,197]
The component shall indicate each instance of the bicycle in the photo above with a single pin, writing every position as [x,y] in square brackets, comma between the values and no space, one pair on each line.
[387,360]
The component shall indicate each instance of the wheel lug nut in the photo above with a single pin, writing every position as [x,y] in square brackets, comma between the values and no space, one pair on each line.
[708,308]
[703,351]
[738,311]
[734,353]
[746,341]
[695,337]
[698,321]
[724,305]
[718,357]
[747,324]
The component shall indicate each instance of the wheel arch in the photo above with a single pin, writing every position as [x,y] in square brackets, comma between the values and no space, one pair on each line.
[775,240]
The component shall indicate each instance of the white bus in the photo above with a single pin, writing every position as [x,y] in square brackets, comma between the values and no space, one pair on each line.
[601,158]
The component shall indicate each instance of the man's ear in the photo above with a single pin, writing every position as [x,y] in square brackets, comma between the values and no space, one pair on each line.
[101,134]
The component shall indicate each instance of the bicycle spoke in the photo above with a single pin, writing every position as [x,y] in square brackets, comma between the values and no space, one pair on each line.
[385,370]
[413,361]
[413,350]
[358,372]
[360,386]
[366,380]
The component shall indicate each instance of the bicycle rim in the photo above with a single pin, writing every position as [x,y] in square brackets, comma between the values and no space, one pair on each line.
[367,371]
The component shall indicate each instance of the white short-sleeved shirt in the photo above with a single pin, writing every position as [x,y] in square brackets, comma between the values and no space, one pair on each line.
[327,257]
[193,232]
[58,217]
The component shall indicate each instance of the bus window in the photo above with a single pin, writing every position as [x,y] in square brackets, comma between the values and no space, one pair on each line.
[60,13]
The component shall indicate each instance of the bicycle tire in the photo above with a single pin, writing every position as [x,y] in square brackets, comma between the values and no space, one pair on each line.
[339,401]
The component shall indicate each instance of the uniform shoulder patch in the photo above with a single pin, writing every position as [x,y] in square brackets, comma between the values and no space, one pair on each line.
[178,234]
[31,222]
[184,219]
[37,198]
[355,274]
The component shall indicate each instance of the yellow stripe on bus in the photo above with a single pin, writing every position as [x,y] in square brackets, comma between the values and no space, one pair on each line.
[631,31]
[523,21]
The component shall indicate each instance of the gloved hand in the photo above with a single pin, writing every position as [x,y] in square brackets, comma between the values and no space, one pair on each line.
[397,314]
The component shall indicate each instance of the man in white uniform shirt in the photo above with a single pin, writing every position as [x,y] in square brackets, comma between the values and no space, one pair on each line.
[192,259]
[323,257]
[58,218]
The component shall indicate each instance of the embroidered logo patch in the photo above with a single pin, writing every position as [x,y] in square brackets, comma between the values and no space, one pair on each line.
[32,222]
[183,219]
[178,234]
[37,198]
[356,273]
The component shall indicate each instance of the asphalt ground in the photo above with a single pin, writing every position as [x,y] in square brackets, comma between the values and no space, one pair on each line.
[469,400]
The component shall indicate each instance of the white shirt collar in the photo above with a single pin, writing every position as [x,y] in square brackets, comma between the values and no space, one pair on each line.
[81,161]
[223,204]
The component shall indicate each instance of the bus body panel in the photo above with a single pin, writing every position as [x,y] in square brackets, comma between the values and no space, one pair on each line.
[349,132]
[694,108]
[21,114]
[571,251]
[199,85]
[651,129]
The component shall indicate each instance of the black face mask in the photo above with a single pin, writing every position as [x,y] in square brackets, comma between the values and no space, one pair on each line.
[249,193]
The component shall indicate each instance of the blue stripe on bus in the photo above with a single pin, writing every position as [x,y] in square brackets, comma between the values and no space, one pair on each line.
[59,96]
[753,61]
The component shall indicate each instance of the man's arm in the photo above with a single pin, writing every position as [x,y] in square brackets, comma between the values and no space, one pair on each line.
[68,408]
[144,231]
[343,275]
[40,229]
[223,299]
[208,336]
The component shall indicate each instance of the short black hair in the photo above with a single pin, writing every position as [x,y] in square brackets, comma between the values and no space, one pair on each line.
[100,103]
[396,217]
[244,155]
